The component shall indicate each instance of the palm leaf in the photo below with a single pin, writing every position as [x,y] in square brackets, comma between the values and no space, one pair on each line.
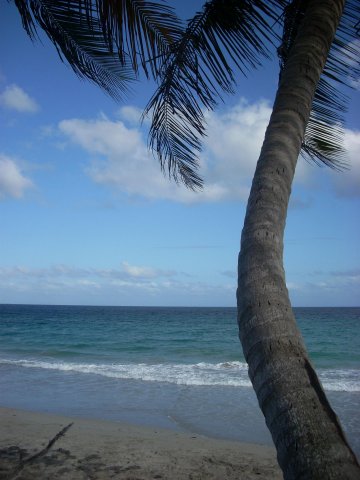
[102,40]
[324,135]
[143,29]
[224,35]
[83,47]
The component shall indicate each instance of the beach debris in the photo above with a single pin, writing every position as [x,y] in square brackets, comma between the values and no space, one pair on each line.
[23,461]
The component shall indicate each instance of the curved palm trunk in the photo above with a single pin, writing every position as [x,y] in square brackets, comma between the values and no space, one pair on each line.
[306,432]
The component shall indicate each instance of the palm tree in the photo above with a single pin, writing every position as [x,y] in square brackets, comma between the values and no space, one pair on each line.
[193,65]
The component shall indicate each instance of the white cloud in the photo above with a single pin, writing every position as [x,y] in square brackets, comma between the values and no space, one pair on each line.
[15,98]
[347,183]
[332,288]
[126,272]
[12,181]
[293,286]
[119,158]
[347,276]
[130,114]
[145,272]
[127,284]
[232,147]
[119,155]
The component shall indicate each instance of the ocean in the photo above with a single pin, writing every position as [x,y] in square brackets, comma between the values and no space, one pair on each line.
[178,368]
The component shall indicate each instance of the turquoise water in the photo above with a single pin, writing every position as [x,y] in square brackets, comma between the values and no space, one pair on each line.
[180,368]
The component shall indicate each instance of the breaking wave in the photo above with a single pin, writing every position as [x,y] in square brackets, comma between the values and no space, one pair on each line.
[230,374]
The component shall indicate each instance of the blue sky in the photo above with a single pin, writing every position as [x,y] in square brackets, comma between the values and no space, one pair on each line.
[88,218]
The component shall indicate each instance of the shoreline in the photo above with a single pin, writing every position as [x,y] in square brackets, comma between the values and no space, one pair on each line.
[103,450]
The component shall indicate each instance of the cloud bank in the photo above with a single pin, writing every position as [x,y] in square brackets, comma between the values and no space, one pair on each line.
[125,285]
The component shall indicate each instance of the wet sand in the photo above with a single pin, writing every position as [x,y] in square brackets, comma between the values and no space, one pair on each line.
[39,446]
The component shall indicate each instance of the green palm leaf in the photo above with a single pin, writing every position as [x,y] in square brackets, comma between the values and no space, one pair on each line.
[226,34]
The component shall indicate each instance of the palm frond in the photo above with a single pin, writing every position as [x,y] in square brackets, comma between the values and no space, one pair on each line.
[84,48]
[143,29]
[104,40]
[324,136]
[224,35]
[323,142]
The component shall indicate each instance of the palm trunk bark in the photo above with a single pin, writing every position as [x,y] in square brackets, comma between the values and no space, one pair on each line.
[309,440]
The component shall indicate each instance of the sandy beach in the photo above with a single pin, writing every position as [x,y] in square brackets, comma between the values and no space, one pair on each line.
[42,446]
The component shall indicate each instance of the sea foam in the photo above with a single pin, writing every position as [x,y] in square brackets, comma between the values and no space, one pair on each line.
[228,374]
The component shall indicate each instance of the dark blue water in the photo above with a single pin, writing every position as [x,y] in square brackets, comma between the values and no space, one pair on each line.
[175,367]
